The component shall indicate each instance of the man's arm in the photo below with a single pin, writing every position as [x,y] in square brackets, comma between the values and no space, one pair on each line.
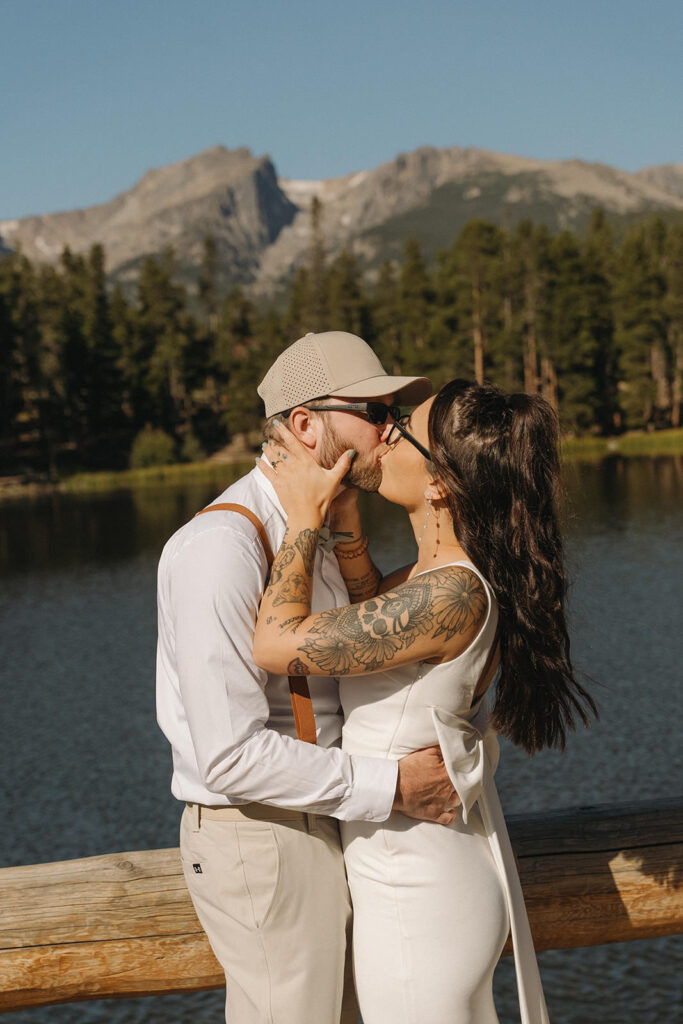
[215,585]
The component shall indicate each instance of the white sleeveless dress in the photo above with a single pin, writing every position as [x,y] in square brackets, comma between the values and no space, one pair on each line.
[433,904]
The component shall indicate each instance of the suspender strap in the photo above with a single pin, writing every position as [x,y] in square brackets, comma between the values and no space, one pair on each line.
[300,695]
[302,706]
[254,520]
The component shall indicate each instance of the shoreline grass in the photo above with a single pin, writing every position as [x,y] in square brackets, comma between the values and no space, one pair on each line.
[103,481]
[655,442]
[152,476]
[573,449]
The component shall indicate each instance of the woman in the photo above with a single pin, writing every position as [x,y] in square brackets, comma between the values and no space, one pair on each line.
[477,472]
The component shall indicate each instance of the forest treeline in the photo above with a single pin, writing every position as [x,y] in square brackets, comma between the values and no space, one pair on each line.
[593,324]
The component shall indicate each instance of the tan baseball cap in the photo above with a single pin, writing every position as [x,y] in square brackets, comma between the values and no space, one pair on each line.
[337,364]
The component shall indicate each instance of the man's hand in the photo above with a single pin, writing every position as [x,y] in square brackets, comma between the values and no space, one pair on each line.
[424,790]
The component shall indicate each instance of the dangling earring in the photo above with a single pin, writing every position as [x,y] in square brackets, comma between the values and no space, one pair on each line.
[424,528]
[438,524]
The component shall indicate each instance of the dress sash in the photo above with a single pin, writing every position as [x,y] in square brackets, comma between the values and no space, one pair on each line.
[471,754]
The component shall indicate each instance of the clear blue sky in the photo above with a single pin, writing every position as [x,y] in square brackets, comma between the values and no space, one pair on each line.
[95,92]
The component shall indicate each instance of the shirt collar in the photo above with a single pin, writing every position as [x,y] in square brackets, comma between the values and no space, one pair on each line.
[266,486]
[327,538]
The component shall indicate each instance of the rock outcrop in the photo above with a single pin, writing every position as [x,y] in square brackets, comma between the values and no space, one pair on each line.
[262,224]
[231,195]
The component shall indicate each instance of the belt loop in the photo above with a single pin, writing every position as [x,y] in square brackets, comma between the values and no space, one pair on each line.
[310,822]
[195,810]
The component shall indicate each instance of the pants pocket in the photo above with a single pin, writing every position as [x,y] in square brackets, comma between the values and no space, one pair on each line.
[232,870]
[260,858]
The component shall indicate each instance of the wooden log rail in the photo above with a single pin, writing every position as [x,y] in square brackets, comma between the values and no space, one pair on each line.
[123,924]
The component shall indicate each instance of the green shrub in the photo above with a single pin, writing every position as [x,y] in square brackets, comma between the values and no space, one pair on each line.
[191,449]
[152,447]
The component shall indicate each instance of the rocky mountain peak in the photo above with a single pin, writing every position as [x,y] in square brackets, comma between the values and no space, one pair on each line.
[262,224]
[230,194]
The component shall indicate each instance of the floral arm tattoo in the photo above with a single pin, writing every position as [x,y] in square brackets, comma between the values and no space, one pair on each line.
[410,623]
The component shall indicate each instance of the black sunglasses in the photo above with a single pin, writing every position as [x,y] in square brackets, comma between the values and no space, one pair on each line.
[376,412]
[399,430]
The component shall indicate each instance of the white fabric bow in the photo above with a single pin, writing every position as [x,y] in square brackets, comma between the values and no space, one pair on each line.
[470,752]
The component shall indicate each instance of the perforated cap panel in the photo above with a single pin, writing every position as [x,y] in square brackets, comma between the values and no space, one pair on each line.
[333,362]
[303,375]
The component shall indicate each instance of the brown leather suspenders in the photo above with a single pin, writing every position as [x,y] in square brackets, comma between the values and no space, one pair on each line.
[300,695]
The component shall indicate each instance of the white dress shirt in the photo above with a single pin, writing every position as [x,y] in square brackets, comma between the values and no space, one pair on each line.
[229,723]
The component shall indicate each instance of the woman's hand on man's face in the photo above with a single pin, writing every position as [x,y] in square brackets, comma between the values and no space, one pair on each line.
[302,485]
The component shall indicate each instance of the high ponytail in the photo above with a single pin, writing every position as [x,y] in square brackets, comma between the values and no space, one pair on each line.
[496,456]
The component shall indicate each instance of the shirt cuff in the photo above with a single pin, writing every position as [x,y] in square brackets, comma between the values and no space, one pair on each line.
[372,794]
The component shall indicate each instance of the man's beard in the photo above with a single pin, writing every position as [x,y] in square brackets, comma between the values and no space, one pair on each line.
[365,472]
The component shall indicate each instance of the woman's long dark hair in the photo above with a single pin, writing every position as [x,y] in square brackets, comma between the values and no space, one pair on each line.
[497,457]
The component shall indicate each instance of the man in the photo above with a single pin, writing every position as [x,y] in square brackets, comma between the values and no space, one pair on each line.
[259,837]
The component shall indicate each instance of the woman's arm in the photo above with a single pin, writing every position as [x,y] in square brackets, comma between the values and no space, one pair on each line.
[434,616]
[395,578]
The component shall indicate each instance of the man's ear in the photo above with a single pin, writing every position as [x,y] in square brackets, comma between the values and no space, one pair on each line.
[307,428]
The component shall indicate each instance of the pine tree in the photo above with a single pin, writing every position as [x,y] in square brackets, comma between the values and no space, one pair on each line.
[208,281]
[104,385]
[415,298]
[531,247]
[347,305]
[385,318]
[317,311]
[451,357]
[9,397]
[673,311]
[477,261]
[72,343]
[240,364]
[570,350]
[161,335]
[640,325]
[507,356]
[297,318]
[123,328]
[12,395]
[660,354]
[49,373]
[597,302]
[33,420]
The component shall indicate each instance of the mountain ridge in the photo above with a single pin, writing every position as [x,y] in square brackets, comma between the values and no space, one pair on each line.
[261,222]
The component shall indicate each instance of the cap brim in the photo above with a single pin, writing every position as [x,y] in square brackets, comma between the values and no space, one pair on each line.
[406,390]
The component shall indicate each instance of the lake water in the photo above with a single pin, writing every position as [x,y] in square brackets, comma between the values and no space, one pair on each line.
[86,770]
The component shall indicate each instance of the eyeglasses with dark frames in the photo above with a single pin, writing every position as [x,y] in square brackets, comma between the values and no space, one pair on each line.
[399,430]
[376,412]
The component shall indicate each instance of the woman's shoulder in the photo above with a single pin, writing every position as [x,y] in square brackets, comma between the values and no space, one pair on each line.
[456,595]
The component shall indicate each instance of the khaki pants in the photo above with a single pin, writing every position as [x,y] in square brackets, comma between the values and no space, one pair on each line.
[272,898]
